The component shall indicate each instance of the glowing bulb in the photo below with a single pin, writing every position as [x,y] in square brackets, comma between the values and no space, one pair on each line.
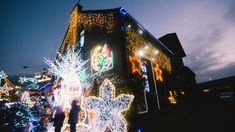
[146,47]
[140,53]
[140,31]
[156,52]
[129,26]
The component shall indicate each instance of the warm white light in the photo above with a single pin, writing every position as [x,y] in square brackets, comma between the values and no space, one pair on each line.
[146,47]
[69,67]
[140,53]
[140,31]
[129,26]
[152,59]
[107,108]
[5,89]
[156,52]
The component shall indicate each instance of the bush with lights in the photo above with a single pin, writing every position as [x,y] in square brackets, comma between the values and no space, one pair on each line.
[19,114]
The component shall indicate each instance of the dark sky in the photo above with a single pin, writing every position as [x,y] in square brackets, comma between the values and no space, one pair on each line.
[33,29]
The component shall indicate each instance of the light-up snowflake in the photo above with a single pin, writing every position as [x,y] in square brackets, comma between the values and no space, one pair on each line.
[69,67]
[107,108]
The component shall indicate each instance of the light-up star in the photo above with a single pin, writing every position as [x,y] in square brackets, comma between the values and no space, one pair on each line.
[5,89]
[158,72]
[108,108]
[136,64]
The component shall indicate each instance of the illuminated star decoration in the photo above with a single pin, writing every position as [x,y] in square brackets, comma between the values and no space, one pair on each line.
[5,89]
[158,72]
[101,59]
[108,108]
[136,64]
[69,67]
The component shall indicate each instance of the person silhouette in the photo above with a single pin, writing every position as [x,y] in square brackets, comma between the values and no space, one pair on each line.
[73,115]
[59,119]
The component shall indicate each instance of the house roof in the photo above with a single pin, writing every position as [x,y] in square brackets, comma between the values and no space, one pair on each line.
[172,42]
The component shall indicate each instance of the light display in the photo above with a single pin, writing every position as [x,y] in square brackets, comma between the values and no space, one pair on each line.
[101,59]
[136,64]
[171,98]
[26,98]
[23,80]
[87,21]
[144,108]
[5,89]
[108,108]
[69,67]
[82,37]
[2,75]
[157,72]
[137,42]
[145,76]
[19,114]
[33,84]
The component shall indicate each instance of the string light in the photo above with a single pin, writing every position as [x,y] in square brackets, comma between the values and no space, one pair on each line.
[69,68]
[136,64]
[26,98]
[135,42]
[171,98]
[5,90]
[101,59]
[158,72]
[108,108]
[87,21]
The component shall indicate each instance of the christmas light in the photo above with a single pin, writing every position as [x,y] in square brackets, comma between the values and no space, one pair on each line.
[2,75]
[101,59]
[26,98]
[171,98]
[158,72]
[107,108]
[5,90]
[136,42]
[88,21]
[136,64]
[69,67]
[34,81]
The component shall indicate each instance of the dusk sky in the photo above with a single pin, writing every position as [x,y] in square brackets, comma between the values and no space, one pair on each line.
[33,29]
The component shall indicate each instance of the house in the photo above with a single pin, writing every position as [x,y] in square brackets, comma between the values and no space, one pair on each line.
[120,49]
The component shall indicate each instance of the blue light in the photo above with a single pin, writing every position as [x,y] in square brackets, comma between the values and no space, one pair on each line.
[139,130]
[123,11]
[122,28]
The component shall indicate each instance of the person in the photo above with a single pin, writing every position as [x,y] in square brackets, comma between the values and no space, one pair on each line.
[73,116]
[4,117]
[59,119]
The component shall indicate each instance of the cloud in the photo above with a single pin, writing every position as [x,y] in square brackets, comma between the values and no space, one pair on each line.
[203,54]
[227,71]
